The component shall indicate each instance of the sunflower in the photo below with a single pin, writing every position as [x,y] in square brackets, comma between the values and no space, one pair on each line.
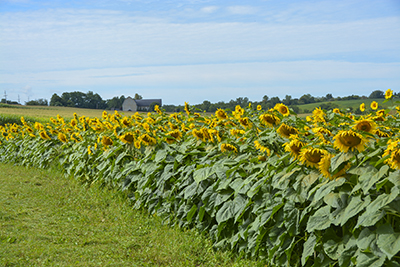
[269,119]
[44,135]
[365,125]
[362,107]
[157,109]
[89,150]
[337,111]
[62,137]
[262,148]
[259,107]
[294,147]
[198,134]
[148,140]
[388,94]
[349,140]
[228,148]
[312,156]
[106,141]
[126,122]
[381,113]
[325,164]
[393,151]
[245,122]
[381,133]
[187,108]
[127,138]
[374,105]
[221,114]
[286,130]
[282,108]
[173,136]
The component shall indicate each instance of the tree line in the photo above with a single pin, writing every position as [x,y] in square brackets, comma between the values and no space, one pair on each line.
[94,101]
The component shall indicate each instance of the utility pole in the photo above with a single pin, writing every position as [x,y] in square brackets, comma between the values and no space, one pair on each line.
[5,96]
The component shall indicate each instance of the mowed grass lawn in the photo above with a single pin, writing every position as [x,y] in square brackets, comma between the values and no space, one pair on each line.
[47,219]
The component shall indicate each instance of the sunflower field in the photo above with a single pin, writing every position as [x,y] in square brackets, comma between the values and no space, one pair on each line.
[317,191]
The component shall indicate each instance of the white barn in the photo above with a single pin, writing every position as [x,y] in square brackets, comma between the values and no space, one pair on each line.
[134,105]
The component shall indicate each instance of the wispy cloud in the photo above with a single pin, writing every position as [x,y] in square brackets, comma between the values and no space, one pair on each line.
[209,9]
[242,10]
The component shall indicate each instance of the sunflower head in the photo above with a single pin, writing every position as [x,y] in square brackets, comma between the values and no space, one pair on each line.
[374,105]
[283,109]
[286,130]
[365,125]
[148,140]
[362,107]
[221,114]
[106,141]
[312,156]
[269,119]
[294,147]
[245,122]
[349,140]
[44,135]
[62,137]
[187,108]
[259,107]
[128,138]
[228,148]
[173,136]
[388,94]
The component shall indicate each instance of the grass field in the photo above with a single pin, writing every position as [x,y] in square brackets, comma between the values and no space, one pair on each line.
[343,105]
[49,220]
[51,111]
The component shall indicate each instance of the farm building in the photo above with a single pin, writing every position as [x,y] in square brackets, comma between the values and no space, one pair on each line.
[131,104]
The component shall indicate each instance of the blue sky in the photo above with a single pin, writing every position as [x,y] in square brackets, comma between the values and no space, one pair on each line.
[198,50]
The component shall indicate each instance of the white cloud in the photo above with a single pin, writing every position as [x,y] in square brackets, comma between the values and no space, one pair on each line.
[209,9]
[242,10]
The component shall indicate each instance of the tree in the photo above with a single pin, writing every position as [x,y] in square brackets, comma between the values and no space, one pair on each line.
[138,97]
[288,100]
[38,102]
[329,97]
[56,101]
[377,94]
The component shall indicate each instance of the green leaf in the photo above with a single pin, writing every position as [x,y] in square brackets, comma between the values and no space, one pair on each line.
[161,155]
[394,177]
[203,173]
[327,188]
[226,212]
[340,158]
[369,218]
[369,260]
[191,213]
[320,220]
[308,248]
[365,239]
[354,207]
[367,181]
[388,240]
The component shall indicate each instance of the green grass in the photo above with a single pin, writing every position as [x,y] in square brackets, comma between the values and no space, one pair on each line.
[343,105]
[49,220]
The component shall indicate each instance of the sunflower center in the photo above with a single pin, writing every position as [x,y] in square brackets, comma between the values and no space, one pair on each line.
[314,156]
[350,140]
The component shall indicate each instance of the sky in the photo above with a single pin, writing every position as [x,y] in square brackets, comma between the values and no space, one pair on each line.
[197,50]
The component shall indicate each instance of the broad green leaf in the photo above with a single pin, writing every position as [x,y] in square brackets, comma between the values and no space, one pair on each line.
[333,248]
[388,240]
[327,188]
[367,181]
[320,220]
[202,174]
[310,179]
[394,177]
[355,205]
[365,239]
[308,248]
[226,212]
[369,260]
[161,155]
[369,218]
[340,158]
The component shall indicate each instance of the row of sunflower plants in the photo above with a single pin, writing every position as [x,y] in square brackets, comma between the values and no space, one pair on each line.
[319,191]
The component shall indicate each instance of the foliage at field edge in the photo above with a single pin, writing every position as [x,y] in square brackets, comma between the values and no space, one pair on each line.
[317,192]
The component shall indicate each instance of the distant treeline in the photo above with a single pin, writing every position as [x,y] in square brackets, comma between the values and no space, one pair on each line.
[88,100]
[267,102]
[94,101]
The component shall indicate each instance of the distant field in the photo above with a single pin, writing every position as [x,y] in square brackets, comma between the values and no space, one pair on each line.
[355,104]
[51,111]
